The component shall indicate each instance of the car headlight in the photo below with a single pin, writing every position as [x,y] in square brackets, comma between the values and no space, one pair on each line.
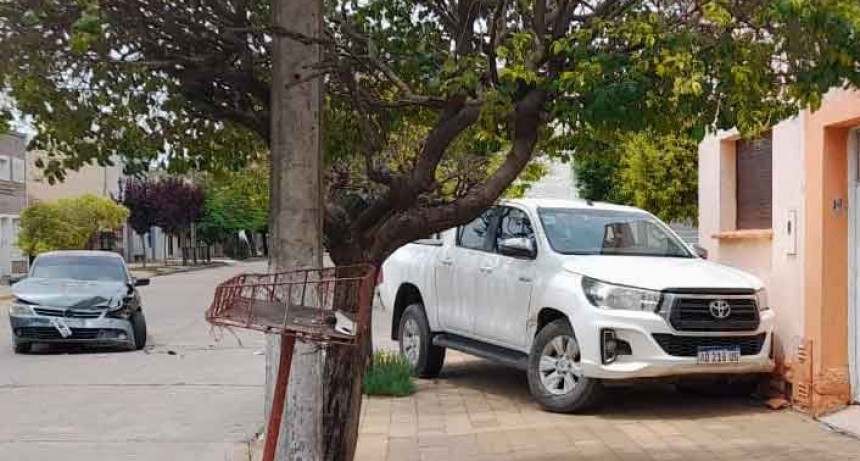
[20,310]
[609,296]
[761,300]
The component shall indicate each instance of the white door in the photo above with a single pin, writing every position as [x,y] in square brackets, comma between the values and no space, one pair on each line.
[457,276]
[854,303]
[505,285]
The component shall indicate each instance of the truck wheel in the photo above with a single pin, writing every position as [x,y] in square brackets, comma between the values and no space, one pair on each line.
[555,376]
[416,343]
[138,327]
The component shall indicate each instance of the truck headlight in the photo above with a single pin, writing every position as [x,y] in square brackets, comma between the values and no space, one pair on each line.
[608,296]
[761,300]
[20,310]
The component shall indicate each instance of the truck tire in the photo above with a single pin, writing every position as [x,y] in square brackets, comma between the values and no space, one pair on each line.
[555,377]
[416,343]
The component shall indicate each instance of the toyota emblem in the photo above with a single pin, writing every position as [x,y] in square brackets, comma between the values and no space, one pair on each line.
[720,308]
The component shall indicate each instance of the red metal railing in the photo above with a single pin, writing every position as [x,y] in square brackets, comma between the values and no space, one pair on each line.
[326,306]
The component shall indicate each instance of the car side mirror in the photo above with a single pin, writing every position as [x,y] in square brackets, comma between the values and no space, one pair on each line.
[141,282]
[700,251]
[15,278]
[519,247]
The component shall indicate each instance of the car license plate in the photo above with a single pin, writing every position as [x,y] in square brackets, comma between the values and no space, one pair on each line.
[717,355]
[61,327]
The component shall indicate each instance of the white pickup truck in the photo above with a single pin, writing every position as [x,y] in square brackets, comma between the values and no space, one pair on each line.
[576,294]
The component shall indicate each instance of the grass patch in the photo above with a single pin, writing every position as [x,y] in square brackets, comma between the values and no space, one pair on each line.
[389,374]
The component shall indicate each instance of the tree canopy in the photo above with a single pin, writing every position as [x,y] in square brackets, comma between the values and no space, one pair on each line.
[139,196]
[68,224]
[477,86]
[178,204]
[235,202]
[658,173]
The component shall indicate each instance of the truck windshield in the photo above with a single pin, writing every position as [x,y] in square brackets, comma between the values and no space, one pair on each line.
[75,267]
[609,232]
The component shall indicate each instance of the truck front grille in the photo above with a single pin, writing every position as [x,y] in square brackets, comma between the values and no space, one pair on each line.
[688,346]
[695,314]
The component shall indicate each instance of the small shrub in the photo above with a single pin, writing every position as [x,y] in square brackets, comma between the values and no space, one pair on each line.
[389,374]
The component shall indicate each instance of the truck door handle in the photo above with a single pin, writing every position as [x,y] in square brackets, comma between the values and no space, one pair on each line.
[486,269]
[525,279]
[447,262]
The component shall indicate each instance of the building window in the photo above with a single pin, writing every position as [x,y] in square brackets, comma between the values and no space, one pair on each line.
[5,168]
[754,169]
[18,170]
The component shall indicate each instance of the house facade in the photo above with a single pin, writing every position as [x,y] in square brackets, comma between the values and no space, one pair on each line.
[786,207]
[13,198]
[106,181]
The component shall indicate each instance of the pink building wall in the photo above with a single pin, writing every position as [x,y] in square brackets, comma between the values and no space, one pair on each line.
[775,255]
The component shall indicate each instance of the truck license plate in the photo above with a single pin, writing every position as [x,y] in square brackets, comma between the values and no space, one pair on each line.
[709,355]
[61,327]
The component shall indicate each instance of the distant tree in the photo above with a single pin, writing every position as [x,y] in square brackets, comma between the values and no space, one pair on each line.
[139,197]
[656,172]
[660,174]
[236,201]
[179,204]
[68,224]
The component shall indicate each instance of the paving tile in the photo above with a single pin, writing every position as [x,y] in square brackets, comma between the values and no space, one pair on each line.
[478,411]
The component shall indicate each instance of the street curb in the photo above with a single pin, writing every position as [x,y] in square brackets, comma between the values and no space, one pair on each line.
[178,270]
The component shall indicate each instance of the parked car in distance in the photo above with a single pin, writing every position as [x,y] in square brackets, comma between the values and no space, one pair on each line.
[84,297]
[577,294]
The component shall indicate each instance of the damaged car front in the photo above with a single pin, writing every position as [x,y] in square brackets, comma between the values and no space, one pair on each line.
[78,297]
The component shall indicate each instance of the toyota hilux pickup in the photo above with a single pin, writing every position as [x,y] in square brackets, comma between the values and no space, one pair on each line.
[578,295]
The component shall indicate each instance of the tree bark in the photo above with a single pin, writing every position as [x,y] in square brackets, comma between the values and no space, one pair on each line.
[143,246]
[296,212]
[344,373]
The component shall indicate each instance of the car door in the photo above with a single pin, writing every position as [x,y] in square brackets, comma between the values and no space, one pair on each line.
[505,284]
[458,272]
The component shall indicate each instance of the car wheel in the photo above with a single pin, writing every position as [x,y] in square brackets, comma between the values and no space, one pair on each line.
[23,348]
[416,343]
[555,375]
[138,327]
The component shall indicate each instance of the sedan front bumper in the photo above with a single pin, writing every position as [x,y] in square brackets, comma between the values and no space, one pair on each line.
[100,331]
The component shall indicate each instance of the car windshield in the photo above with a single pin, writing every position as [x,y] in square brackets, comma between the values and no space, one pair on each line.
[79,267]
[609,232]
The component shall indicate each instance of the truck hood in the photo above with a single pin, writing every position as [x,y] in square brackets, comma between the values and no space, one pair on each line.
[655,273]
[70,293]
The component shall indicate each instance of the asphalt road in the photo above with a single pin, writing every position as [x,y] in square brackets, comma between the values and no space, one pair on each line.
[192,394]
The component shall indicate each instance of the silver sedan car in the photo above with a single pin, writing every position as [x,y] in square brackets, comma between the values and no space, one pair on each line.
[83,297]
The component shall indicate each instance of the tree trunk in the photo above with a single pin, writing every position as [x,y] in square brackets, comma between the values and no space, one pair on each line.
[344,373]
[296,212]
[143,246]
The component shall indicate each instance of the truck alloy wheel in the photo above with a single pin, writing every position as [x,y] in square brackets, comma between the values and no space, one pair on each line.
[556,378]
[416,343]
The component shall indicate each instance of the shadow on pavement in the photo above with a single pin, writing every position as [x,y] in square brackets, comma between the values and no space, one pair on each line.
[634,401]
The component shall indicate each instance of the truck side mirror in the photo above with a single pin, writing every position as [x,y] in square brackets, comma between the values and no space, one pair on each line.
[518,247]
[700,251]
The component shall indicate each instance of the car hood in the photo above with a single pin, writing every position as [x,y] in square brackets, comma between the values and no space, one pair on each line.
[70,293]
[656,273]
